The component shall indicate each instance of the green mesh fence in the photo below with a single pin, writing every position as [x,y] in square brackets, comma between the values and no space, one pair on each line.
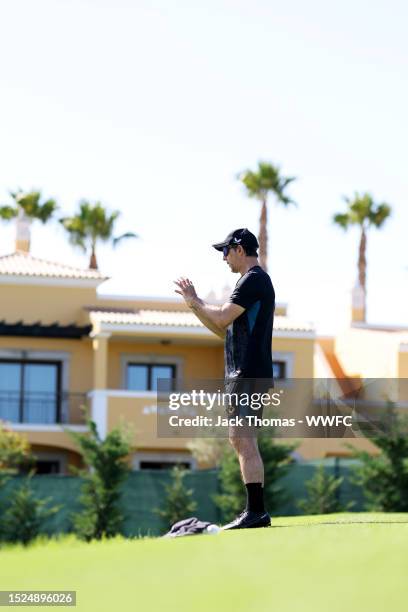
[294,485]
[144,491]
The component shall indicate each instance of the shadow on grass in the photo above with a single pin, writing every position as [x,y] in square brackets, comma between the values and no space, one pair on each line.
[340,523]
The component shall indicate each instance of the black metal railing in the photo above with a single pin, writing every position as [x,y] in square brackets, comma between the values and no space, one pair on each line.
[36,407]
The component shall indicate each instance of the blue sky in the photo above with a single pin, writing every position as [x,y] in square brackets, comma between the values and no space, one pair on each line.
[154,107]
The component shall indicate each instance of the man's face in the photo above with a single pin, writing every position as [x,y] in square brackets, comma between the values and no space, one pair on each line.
[234,258]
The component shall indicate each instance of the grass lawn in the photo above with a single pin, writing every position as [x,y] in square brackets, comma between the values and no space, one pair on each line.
[353,562]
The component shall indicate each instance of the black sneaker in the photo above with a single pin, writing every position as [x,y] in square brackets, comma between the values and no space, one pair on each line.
[248,519]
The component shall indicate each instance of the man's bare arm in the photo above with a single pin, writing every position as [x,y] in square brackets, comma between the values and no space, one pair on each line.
[205,320]
[218,316]
[215,318]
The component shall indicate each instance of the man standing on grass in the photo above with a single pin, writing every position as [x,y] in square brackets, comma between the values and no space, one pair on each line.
[245,322]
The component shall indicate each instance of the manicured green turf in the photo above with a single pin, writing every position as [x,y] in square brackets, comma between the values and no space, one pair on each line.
[353,562]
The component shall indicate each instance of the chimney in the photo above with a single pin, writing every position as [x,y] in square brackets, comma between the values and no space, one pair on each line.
[358,313]
[23,224]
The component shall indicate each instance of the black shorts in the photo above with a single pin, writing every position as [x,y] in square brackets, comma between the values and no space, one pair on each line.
[246,396]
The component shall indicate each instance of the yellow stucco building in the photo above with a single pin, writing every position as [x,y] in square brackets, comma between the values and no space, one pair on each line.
[63,344]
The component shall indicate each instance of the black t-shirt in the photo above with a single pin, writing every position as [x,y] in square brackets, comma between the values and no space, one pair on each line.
[248,342]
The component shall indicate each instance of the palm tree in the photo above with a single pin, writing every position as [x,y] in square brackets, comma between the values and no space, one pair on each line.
[92,223]
[26,207]
[260,184]
[364,212]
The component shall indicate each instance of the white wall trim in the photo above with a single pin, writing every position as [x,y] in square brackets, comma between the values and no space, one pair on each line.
[180,330]
[379,326]
[98,334]
[6,279]
[141,298]
[123,393]
[45,427]
[286,333]
[320,354]
[99,410]
[171,330]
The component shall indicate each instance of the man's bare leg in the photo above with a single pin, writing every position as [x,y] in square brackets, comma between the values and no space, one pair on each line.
[252,470]
[250,460]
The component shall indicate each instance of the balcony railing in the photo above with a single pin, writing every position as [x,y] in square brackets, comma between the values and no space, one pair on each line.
[44,408]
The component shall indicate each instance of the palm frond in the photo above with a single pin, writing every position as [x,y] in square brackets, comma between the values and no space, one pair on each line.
[124,236]
[265,180]
[30,203]
[8,212]
[379,216]
[91,224]
[76,235]
[342,219]
[46,210]
[363,211]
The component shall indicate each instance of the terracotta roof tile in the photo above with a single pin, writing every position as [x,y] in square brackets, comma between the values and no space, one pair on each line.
[147,317]
[24,264]
[177,318]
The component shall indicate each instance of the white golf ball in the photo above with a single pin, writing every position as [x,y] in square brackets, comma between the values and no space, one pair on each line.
[213,529]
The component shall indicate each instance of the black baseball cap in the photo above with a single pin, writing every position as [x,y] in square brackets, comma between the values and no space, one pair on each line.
[239,236]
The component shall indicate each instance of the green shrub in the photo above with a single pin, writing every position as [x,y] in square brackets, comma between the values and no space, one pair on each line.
[15,453]
[25,515]
[106,469]
[323,492]
[178,503]
[384,477]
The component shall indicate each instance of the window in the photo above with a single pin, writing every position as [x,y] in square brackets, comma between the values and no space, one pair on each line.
[283,363]
[47,467]
[163,465]
[162,461]
[30,391]
[279,369]
[144,376]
